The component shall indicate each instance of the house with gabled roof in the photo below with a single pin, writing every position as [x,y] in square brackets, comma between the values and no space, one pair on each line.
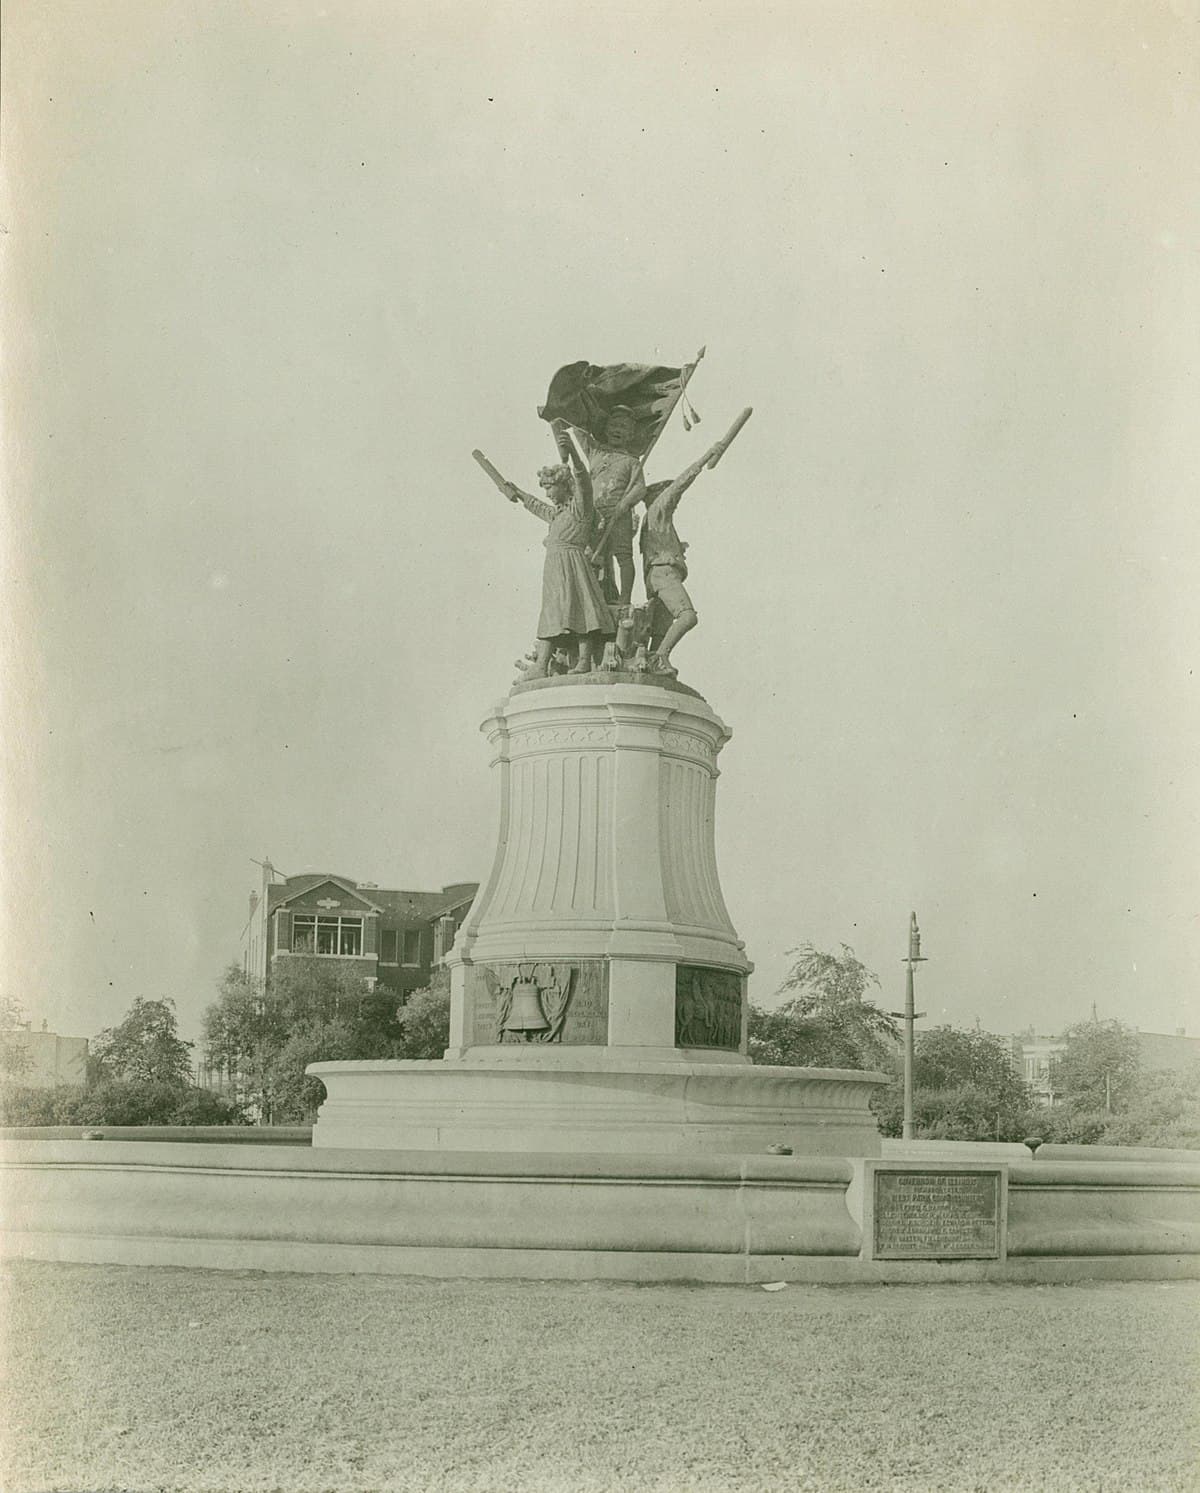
[392,937]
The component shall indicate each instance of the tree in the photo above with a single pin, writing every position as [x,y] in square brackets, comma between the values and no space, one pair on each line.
[295,1096]
[1163,1109]
[948,1057]
[139,1074]
[15,1060]
[312,1010]
[829,1023]
[233,1029]
[425,1018]
[312,989]
[964,1088]
[144,1048]
[1097,1070]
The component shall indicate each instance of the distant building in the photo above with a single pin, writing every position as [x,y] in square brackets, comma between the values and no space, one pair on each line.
[1034,1057]
[52,1058]
[1162,1052]
[393,938]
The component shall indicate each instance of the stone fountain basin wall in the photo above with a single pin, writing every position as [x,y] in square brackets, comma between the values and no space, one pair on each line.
[595,1101]
[555,1216]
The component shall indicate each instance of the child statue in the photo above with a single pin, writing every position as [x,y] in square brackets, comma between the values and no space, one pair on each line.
[617,486]
[664,565]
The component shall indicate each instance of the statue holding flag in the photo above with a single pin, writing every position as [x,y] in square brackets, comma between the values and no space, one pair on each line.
[616,476]
[618,413]
[664,566]
[585,397]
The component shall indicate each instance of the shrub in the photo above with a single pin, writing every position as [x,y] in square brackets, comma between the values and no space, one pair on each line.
[204,1107]
[28,1106]
[1074,1125]
[1163,1110]
[965,1112]
[425,1019]
[118,1102]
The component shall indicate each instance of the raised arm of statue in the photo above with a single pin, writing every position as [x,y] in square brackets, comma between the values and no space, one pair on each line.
[727,440]
[564,442]
[581,501]
[585,441]
[514,494]
[668,500]
[569,452]
[539,509]
[502,483]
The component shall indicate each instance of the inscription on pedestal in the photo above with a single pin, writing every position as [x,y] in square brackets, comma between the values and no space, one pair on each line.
[563,1001]
[708,1007]
[937,1215]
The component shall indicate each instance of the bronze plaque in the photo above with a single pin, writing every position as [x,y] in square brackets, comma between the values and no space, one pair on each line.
[582,1023]
[708,1007]
[937,1215]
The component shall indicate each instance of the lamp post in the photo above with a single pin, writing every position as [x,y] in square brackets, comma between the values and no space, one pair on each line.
[910,1017]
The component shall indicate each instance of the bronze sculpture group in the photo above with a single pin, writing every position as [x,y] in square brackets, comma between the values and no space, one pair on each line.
[592,506]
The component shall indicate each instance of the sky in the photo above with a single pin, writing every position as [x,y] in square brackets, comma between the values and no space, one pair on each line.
[272,270]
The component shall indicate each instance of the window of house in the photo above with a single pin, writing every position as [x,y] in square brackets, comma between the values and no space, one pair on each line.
[387,946]
[444,933]
[412,946]
[328,936]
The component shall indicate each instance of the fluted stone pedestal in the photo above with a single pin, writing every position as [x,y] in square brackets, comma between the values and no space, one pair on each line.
[606,864]
[598,988]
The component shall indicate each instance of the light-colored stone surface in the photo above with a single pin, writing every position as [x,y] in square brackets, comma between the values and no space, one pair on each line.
[641,1010]
[964,1150]
[1079,1208]
[605,848]
[953,1150]
[107,1190]
[557,1216]
[580,1099]
[1159,1155]
[602,934]
[320,1258]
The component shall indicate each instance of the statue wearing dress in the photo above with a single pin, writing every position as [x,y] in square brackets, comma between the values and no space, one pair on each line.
[618,412]
[573,607]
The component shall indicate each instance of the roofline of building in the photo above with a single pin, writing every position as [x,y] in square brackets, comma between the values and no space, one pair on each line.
[353,889]
[320,878]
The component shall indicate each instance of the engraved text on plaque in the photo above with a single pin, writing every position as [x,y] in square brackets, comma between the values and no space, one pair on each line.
[937,1215]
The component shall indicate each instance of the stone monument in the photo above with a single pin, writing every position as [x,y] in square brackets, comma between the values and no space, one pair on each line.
[598,986]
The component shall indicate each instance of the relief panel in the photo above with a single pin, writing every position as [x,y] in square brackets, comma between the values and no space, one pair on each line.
[538,1000]
[708,1007]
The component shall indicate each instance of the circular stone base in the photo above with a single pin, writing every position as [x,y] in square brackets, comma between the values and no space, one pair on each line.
[600,677]
[595,1100]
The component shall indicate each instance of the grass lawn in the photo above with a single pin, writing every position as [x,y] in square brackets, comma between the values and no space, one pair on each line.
[130,1378]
